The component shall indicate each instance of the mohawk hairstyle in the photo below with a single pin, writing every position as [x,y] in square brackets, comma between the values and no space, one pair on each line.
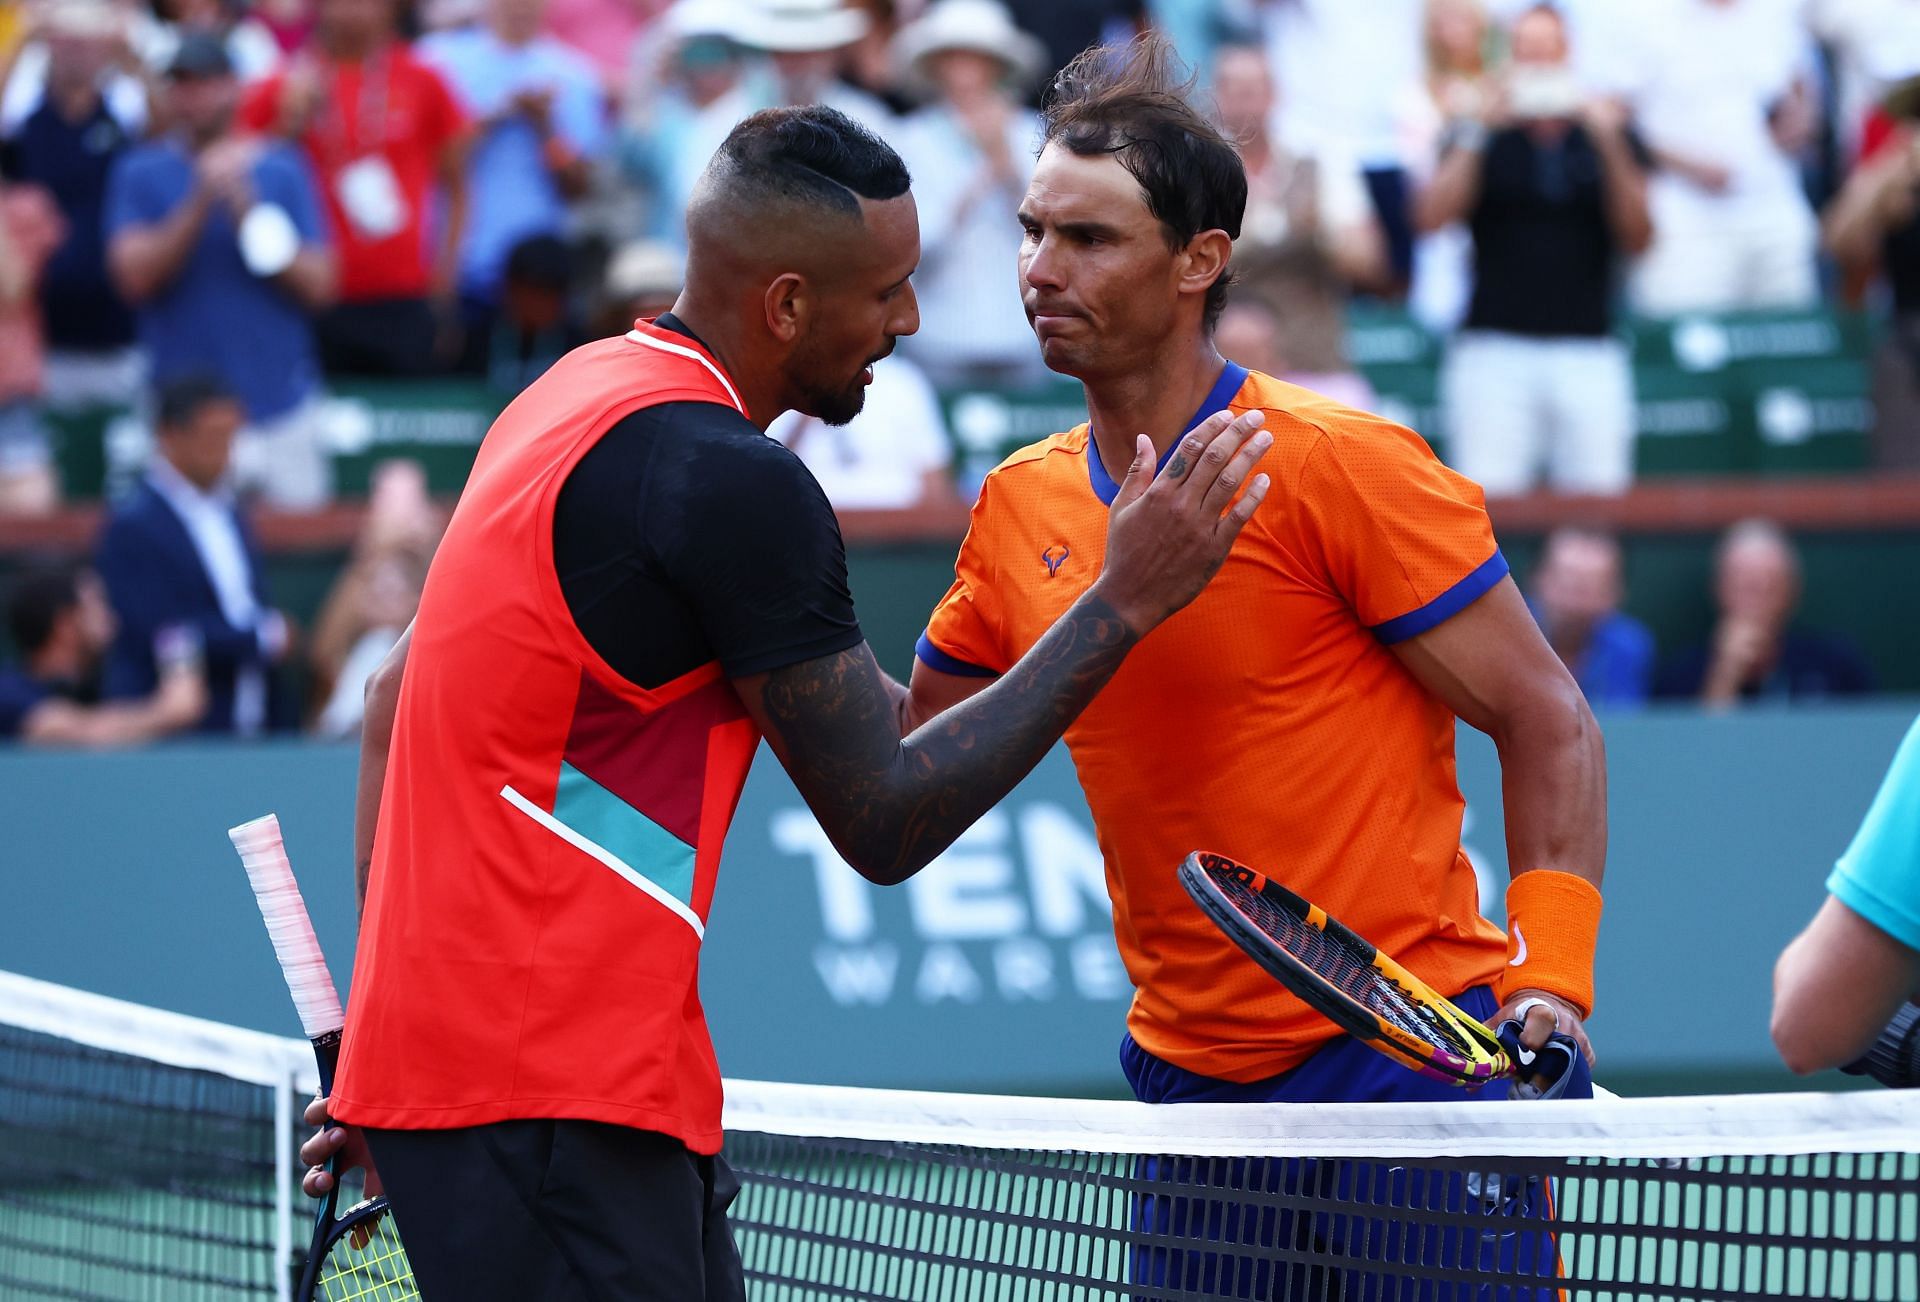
[813,155]
[1134,102]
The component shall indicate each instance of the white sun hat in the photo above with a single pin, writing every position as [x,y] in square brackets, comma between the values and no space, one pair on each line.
[982,26]
[797,26]
[690,20]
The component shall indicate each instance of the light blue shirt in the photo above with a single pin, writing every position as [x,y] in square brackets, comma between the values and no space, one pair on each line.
[511,194]
[1879,875]
[969,277]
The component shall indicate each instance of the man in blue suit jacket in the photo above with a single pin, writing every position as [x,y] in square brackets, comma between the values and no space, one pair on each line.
[182,568]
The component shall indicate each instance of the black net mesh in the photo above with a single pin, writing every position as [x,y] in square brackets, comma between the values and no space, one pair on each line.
[122,1178]
[821,1218]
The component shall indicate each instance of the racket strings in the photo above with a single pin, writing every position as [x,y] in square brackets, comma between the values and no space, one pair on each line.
[377,1271]
[1351,973]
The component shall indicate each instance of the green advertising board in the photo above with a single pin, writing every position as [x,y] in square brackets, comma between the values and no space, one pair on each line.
[1751,392]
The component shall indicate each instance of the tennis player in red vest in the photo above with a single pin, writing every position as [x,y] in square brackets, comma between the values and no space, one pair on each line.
[638,586]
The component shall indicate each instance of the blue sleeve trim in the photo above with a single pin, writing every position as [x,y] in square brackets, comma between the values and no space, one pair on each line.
[1445,606]
[946,664]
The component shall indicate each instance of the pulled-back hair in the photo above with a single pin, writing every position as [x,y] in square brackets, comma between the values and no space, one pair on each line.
[1133,102]
[812,155]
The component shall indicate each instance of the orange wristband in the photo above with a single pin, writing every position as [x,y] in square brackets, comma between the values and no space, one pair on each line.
[1553,922]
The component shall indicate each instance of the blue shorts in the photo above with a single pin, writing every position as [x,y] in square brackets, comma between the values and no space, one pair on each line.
[1298,1228]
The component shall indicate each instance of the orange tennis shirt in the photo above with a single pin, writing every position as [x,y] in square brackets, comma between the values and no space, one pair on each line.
[1268,721]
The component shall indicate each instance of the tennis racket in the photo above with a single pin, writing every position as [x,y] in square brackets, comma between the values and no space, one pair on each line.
[1356,987]
[355,1255]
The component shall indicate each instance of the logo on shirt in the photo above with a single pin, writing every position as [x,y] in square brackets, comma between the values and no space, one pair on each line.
[1053,562]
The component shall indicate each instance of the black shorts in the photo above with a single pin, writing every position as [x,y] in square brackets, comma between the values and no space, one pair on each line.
[560,1211]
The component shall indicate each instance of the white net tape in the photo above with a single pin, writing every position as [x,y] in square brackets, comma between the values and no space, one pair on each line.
[294,943]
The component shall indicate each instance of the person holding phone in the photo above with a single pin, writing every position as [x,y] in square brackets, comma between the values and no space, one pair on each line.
[1552,185]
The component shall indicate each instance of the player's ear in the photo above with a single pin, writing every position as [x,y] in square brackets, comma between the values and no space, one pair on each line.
[788,303]
[1205,260]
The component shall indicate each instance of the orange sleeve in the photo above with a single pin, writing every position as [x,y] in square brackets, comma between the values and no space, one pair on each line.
[962,634]
[1403,539]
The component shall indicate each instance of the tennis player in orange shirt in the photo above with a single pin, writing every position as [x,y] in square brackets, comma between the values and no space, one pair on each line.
[1299,716]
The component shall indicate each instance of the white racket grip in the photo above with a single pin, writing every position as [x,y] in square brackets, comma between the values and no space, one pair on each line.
[288,926]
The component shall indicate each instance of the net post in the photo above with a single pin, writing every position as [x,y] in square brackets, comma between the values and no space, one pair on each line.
[283,1177]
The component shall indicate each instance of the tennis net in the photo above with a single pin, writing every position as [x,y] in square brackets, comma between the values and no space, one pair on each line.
[145,1156]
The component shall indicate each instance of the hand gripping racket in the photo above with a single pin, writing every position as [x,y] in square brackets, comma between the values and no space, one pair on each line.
[356,1255]
[1362,991]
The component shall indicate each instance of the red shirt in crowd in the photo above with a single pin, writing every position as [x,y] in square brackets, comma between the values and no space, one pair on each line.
[376,142]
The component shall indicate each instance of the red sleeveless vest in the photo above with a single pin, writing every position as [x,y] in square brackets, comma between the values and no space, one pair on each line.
[549,833]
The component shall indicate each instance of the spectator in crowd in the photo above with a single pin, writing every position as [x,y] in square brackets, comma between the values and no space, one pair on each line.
[1732,226]
[536,324]
[30,230]
[604,32]
[1066,27]
[971,152]
[1308,235]
[896,455]
[1457,85]
[1874,225]
[807,43]
[217,241]
[686,92]
[1553,188]
[249,44]
[375,597]
[387,144]
[642,280]
[1252,332]
[868,64]
[180,563]
[1342,66]
[1869,45]
[540,125]
[94,41]
[1198,27]
[290,22]
[66,144]
[1576,593]
[61,626]
[1758,652]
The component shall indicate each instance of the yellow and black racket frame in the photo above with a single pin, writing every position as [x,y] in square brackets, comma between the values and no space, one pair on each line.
[1475,1056]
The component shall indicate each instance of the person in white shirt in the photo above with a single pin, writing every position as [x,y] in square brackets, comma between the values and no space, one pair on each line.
[970,151]
[894,456]
[1732,226]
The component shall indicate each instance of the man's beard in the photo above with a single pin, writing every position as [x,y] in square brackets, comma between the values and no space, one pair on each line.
[832,406]
[835,406]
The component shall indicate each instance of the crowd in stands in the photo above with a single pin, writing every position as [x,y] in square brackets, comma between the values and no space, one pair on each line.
[212,210]
[1758,651]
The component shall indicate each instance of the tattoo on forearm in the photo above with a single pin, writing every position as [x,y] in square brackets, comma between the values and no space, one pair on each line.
[892,805]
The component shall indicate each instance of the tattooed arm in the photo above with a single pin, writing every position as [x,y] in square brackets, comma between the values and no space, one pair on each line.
[891,804]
